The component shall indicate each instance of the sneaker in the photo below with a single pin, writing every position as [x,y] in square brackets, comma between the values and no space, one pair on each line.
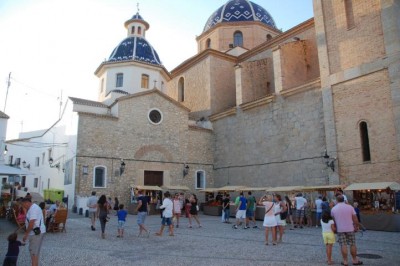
[235,227]
[246,227]
[93,229]
[255,226]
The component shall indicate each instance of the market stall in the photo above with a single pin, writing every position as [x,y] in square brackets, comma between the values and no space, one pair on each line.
[152,192]
[379,204]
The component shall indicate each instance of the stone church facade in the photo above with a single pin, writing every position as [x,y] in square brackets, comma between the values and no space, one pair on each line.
[255,106]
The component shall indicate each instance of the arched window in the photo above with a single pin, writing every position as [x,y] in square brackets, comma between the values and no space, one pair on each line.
[269,37]
[120,80]
[181,90]
[139,30]
[200,179]
[99,176]
[208,43]
[237,39]
[133,30]
[145,81]
[366,154]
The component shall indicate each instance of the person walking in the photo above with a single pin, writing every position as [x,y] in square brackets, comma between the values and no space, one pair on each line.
[167,207]
[250,210]
[92,205]
[318,208]
[269,218]
[177,209]
[346,222]
[328,229]
[35,229]
[121,213]
[241,211]
[142,211]
[194,209]
[102,213]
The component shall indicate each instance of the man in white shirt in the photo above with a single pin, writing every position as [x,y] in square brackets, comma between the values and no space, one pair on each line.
[301,203]
[35,229]
[167,214]
[92,205]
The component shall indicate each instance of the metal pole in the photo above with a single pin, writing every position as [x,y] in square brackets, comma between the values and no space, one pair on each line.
[8,86]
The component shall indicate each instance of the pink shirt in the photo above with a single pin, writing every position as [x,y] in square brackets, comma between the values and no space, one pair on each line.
[177,206]
[343,215]
[268,208]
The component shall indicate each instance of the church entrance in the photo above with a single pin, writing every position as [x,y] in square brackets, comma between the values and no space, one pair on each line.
[153,178]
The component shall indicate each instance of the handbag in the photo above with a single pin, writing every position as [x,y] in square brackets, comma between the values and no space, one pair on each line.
[284,214]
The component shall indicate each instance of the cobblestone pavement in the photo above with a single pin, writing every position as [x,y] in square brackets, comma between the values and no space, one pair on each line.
[213,244]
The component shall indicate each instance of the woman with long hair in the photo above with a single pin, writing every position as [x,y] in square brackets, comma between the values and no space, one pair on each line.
[280,208]
[102,212]
[290,212]
[193,210]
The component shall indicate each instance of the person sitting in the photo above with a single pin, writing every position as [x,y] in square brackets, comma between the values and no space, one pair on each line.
[51,211]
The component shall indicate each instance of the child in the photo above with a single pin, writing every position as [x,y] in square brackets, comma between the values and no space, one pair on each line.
[121,220]
[13,250]
[328,228]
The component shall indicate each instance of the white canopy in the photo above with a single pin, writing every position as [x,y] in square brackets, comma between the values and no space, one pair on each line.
[374,186]
[8,170]
[185,188]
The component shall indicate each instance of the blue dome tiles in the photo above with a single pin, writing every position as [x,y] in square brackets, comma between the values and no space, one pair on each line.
[135,48]
[239,10]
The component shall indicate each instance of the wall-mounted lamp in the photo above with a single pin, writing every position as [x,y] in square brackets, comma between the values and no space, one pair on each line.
[85,169]
[5,150]
[57,165]
[330,162]
[122,167]
[25,165]
[185,170]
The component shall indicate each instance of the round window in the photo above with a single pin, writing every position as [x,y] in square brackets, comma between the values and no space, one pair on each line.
[155,116]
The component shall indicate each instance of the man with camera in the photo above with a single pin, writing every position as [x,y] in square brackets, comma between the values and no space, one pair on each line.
[35,229]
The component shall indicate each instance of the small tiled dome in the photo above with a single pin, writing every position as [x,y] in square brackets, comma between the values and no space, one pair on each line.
[239,10]
[135,48]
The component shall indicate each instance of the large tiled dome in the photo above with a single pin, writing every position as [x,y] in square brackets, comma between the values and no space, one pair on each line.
[239,10]
[135,48]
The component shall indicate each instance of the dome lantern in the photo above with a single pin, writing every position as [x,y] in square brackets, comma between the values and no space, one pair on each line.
[136,26]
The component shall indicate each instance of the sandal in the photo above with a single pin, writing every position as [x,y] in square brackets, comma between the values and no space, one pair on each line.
[358,263]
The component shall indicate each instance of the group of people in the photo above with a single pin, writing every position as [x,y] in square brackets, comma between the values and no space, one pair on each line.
[170,208]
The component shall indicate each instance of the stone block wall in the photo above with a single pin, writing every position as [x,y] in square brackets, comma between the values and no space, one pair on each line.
[367,98]
[103,141]
[280,143]
[350,47]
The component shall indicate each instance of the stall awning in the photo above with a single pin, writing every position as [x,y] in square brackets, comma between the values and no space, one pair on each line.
[319,188]
[232,188]
[209,190]
[255,189]
[184,188]
[148,188]
[285,189]
[372,186]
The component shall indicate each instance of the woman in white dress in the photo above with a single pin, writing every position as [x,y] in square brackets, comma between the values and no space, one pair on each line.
[269,218]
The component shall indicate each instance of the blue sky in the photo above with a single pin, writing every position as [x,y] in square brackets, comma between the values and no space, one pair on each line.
[56,45]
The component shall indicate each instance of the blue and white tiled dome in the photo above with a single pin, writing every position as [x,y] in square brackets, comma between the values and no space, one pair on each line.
[239,10]
[135,48]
